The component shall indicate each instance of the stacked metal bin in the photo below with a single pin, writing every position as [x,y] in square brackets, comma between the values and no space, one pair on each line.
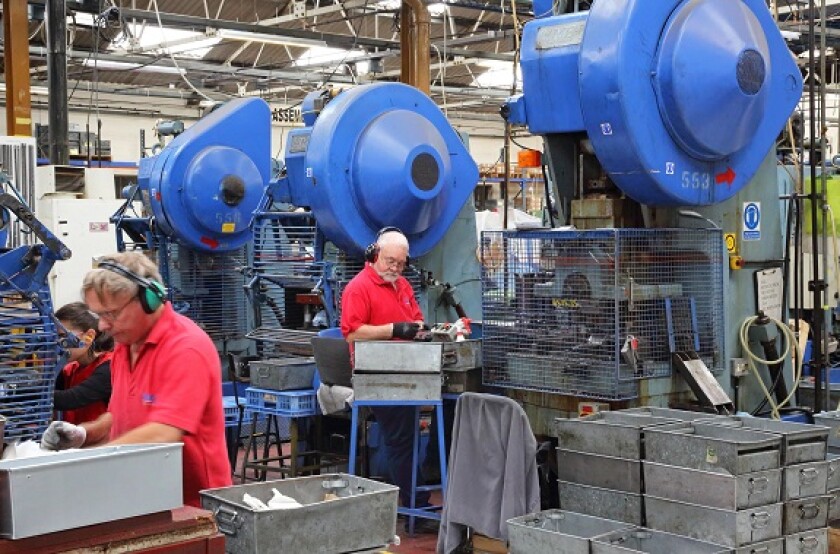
[745,483]
[599,463]
[831,420]
[553,531]
[748,484]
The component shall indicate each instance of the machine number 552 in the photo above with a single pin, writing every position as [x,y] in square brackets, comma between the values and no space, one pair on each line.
[696,180]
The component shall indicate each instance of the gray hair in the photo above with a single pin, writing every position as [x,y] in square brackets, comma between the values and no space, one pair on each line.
[104,281]
[392,238]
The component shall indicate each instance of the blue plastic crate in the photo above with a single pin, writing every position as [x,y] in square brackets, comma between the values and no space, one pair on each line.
[231,410]
[291,403]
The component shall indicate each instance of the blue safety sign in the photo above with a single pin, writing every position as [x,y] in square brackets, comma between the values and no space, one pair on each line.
[752,221]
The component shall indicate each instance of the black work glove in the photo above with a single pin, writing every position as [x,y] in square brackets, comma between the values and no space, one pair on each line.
[405,330]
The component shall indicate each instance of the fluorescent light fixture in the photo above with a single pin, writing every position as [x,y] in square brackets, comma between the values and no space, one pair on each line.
[247,36]
[325,56]
[498,74]
[148,38]
[33,91]
[436,9]
[127,66]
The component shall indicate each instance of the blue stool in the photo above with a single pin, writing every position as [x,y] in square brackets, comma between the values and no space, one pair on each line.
[428,512]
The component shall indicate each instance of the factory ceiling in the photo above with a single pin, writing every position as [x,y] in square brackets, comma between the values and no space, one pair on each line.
[211,50]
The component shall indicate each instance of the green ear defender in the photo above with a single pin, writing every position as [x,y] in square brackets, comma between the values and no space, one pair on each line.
[151,295]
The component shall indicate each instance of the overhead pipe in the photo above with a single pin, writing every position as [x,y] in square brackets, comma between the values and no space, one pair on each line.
[415,44]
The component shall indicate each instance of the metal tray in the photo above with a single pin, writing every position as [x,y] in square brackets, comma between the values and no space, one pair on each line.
[733,528]
[397,386]
[363,516]
[605,503]
[616,434]
[75,488]
[390,356]
[805,514]
[713,489]
[809,542]
[833,505]
[803,480]
[800,442]
[668,413]
[553,531]
[832,421]
[282,373]
[712,447]
[833,471]
[462,355]
[606,472]
[775,546]
[651,542]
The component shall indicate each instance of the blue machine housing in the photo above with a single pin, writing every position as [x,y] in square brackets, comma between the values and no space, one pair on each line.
[205,185]
[380,155]
[681,100]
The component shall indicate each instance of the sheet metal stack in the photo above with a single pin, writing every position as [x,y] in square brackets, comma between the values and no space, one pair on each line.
[748,484]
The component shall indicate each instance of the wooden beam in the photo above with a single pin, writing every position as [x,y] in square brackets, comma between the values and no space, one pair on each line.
[16,55]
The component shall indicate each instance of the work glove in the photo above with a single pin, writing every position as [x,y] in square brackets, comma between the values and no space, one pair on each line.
[405,330]
[61,435]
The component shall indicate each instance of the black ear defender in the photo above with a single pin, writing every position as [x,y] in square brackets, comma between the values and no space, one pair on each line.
[372,250]
[151,295]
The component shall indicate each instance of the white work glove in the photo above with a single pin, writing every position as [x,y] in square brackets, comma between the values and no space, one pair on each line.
[61,435]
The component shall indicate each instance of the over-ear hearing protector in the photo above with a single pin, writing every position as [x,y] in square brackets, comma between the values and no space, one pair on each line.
[372,250]
[151,294]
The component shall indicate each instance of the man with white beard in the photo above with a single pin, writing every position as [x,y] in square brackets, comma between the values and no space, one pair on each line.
[379,304]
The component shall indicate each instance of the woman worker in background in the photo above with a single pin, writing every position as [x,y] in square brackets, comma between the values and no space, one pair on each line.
[83,387]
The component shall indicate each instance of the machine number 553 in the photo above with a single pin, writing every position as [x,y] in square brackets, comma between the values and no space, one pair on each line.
[696,180]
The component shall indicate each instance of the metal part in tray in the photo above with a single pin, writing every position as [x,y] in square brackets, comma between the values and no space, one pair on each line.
[616,434]
[398,357]
[553,531]
[605,503]
[728,527]
[712,447]
[363,516]
[76,488]
[652,542]
[800,442]
[713,489]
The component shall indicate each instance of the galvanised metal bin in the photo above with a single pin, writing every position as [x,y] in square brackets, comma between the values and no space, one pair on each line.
[76,488]
[652,542]
[552,531]
[362,516]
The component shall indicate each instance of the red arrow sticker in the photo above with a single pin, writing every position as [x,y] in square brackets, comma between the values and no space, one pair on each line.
[726,177]
[211,242]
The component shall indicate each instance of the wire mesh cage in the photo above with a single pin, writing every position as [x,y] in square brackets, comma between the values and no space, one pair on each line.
[208,288]
[589,313]
[30,359]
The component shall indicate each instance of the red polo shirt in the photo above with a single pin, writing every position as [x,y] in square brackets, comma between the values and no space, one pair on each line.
[177,382]
[369,299]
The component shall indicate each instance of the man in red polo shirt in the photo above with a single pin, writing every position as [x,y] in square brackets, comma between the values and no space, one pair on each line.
[165,373]
[379,304]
